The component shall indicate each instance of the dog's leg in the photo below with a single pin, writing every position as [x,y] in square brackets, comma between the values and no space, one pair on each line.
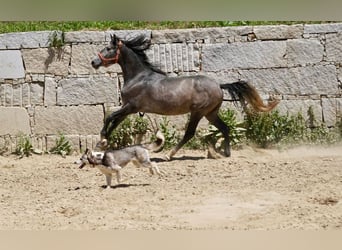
[115,167]
[152,167]
[156,169]
[118,176]
[108,180]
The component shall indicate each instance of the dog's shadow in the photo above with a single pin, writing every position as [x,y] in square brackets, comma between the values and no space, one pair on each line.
[122,185]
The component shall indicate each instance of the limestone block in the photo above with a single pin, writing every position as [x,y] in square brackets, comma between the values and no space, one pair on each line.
[72,120]
[177,57]
[334,47]
[83,54]
[17,95]
[50,91]
[194,35]
[92,90]
[322,28]
[332,110]
[84,36]
[47,60]
[14,120]
[127,34]
[25,91]
[311,80]
[293,107]
[39,142]
[216,57]
[51,141]
[11,64]
[7,94]
[304,51]
[339,76]
[18,40]
[36,93]
[277,32]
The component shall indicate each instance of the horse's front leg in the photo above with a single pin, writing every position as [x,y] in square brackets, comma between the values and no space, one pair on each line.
[115,118]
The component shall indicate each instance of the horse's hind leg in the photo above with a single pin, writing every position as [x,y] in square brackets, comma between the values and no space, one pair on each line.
[214,119]
[189,133]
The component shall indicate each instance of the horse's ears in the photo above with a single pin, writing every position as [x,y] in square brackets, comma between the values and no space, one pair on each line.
[113,38]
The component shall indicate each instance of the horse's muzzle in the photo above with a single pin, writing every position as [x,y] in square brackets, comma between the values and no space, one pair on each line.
[96,63]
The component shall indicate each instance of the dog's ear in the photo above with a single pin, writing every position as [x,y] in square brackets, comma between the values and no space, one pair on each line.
[86,151]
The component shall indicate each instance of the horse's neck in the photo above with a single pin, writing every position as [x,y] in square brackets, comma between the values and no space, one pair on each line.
[131,65]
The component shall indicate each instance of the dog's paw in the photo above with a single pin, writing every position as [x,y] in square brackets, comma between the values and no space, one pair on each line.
[166,158]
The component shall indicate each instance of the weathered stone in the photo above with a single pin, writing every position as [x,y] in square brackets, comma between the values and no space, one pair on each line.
[7,91]
[194,35]
[51,141]
[332,110]
[38,142]
[47,60]
[293,107]
[295,81]
[92,90]
[322,28]
[72,120]
[37,77]
[84,36]
[14,120]
[11,64]
[278,32]
[175,57]
[30,40]
[17,95]
[25,91]
[83,54]
[37,93]
[304,51]
[339,77]
[127,34]
[334,47]
[50,92]
[216,57]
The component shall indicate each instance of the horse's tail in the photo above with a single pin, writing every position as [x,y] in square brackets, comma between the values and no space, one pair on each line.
[242,91]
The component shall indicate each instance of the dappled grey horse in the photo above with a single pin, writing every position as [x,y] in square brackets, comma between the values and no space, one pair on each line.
[148,89]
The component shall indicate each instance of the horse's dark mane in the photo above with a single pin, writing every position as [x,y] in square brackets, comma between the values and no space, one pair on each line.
[139,44]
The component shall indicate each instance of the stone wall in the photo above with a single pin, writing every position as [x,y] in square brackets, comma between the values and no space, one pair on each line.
[46,90]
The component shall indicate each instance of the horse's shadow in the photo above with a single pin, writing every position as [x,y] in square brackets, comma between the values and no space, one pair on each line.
[181,158]
[122,185]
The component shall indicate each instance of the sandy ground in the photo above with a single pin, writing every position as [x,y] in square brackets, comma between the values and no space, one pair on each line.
[299,188]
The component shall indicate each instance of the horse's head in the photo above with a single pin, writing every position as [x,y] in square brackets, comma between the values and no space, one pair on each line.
[109,55]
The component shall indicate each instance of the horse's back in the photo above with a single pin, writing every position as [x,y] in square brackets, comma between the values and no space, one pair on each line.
[176,95]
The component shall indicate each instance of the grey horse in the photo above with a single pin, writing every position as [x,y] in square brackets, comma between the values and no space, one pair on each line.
[148,89]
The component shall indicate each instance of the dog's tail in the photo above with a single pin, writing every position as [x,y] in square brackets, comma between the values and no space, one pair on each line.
[243,91]
[158,144]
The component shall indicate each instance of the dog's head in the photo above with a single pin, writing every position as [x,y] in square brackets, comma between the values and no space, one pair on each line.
[94,158]
[103,144]
[83,160]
